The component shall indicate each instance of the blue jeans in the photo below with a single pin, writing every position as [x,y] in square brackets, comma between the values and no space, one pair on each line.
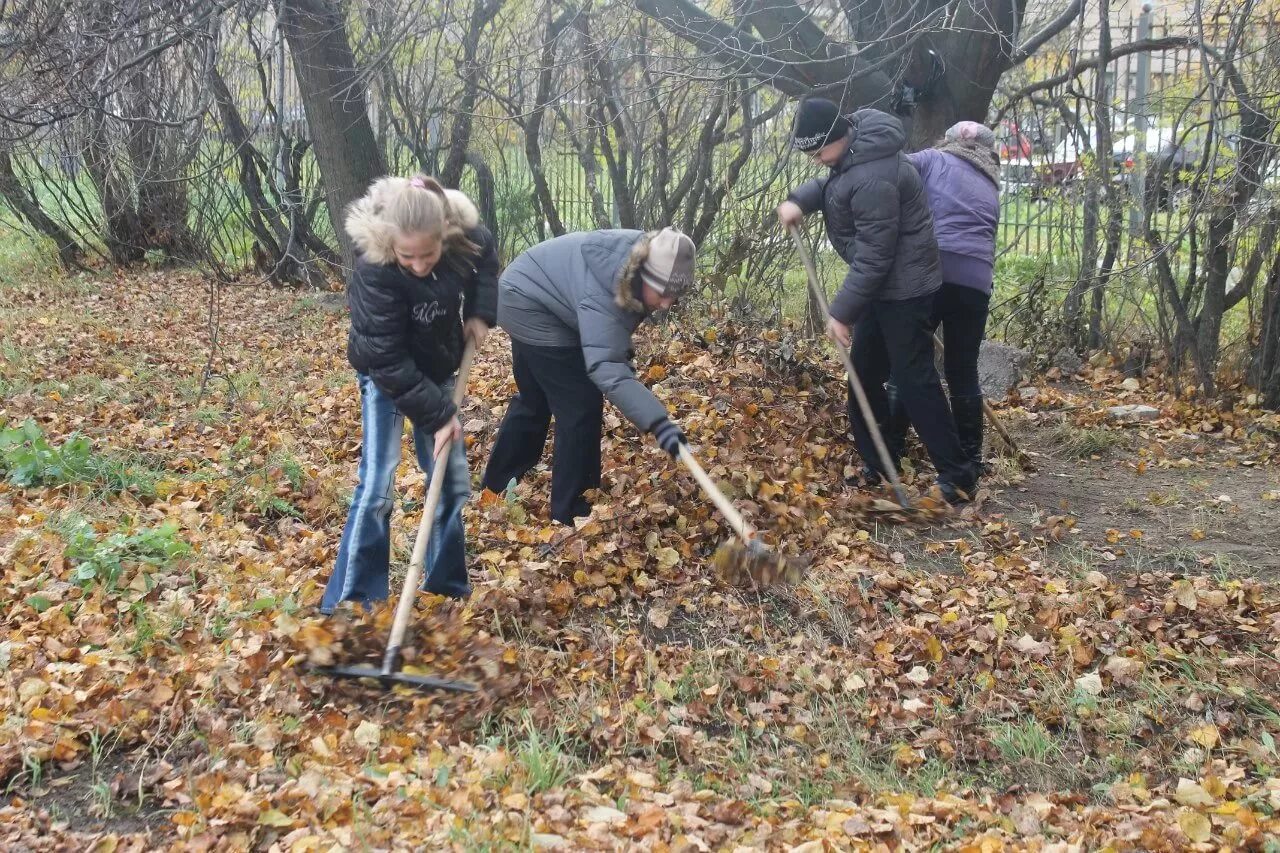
[364,555]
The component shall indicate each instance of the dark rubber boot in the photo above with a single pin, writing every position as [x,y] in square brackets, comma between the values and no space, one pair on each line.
[895,427]
[969,423]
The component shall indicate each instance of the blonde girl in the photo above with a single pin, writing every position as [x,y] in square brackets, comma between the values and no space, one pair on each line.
[425,279]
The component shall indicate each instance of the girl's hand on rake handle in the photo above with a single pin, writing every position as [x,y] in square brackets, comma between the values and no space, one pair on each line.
[451,431]
[669,437]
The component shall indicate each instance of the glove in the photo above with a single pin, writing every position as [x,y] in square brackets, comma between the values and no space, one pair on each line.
[669,437]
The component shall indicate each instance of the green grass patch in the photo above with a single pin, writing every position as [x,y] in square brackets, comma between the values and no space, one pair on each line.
[27,459]
[1083,443]
[104,559]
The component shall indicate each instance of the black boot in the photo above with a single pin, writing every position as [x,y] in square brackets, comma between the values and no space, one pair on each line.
[895,427]
[894,432]
[969,422]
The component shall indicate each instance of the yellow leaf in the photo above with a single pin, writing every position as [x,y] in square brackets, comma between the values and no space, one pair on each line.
[1206,735]
[1197,534]
[274,817]
[769,490]
[667,557]
[905,756]
[1185,594]
[1195,825]
[368,734]
[1191,793]
[1000,623]
[656,373]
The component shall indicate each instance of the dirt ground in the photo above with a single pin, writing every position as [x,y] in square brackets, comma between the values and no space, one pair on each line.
[1148,498]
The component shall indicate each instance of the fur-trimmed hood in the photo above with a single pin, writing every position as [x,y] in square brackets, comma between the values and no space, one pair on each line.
[625,286]
[373,235]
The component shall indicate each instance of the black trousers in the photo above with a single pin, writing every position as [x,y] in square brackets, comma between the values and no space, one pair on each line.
[551,382]
[894,340]
[962,313]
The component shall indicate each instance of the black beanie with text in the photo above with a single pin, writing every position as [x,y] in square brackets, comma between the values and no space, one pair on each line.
[818,123]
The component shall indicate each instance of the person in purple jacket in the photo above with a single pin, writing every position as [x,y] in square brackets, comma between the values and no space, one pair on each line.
[961,180]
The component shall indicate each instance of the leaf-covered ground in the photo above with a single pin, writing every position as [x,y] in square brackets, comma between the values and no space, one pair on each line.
[1012,677]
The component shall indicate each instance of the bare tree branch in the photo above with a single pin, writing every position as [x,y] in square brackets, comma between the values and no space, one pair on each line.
[1042,37]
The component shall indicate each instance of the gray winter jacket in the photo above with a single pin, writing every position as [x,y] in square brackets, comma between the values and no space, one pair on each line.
[877,218]
[579,290]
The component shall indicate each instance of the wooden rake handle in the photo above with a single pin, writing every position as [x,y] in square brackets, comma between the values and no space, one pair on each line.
[413,576]
[859,393]
[721,501]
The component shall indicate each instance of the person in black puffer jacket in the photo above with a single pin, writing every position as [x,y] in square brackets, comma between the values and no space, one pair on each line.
[878,220]
[425,279]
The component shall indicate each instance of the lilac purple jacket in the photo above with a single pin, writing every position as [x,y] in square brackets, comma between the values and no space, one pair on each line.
[965,202]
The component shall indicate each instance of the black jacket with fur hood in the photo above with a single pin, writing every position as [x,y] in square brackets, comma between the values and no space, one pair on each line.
[580,290]
[406,331]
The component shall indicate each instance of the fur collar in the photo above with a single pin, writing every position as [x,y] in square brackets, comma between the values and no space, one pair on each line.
[373,236]
[625,286]
[976,155]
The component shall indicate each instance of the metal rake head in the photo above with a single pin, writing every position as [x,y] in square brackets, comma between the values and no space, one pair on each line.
[755,565]
[391,679]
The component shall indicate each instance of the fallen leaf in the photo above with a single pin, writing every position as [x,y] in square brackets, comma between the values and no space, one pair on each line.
[1206,735]
[275,817]
[1089,684]
[1029,645]
[1185,594]
[1195,825]
[918,675]
[368,734]
[604,814]
[1191,793]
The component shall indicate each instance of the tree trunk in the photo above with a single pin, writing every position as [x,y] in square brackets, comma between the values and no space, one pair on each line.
[26,206]
[122,233]
[533,126]
[333,98]
[1105,152]
[1267,362]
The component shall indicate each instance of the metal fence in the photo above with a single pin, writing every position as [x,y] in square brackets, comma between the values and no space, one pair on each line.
[1159,108]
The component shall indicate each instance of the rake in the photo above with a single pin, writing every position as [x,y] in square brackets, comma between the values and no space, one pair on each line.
[746,555]
[820,297]
[390,674]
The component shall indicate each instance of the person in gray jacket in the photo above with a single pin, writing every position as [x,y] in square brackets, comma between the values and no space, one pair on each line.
[878,220]
[570,306]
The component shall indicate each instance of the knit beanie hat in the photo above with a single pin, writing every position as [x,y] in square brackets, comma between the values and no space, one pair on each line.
[972,130]
[668,268]
[818,123]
